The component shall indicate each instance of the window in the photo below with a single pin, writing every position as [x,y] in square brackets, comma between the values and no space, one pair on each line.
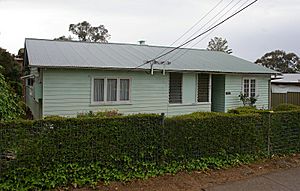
[175,88]
[203,88]
[30,81]
[98,90]
[252,88]
[110,90]
[249,87]
[124,89]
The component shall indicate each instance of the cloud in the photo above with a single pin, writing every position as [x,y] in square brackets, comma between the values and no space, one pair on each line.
[265,26]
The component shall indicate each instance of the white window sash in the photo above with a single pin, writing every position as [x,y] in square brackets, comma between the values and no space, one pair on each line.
[249,86]
[118,101]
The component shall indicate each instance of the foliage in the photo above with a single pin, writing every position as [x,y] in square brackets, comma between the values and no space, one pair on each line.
[55,152]
[285,128]
[11,70]
[248,101]
[247,110]
[196,115]
[85,32]
[107,113]
[286,107]
[219,44]
[280,61]
[64,38]
[10,106]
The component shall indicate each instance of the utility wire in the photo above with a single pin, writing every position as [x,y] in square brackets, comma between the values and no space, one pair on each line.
[208,30]
[191,28]
[208,23]
[186,50]
[186,32]
[187,42]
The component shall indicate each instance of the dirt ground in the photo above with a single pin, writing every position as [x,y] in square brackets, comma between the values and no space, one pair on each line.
[197,181]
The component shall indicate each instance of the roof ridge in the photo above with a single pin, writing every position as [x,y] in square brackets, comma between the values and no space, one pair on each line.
[118,43]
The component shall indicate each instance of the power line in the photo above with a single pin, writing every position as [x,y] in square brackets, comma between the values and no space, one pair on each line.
[206,31]
[187,42]
[146,62]
[207,34]
[209,22]
[191,28]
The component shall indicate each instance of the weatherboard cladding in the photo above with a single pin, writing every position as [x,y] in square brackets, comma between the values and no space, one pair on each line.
[288,78]
[70,54]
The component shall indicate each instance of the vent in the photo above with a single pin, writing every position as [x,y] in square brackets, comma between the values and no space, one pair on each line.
[142,42]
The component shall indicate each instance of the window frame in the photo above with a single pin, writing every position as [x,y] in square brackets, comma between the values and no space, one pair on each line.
[249,86]
[105,102]
[209,88]
[181,90]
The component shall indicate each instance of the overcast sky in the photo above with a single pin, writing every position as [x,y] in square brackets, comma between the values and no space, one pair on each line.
[267,25]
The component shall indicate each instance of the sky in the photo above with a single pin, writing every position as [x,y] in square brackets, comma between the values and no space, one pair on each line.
[265,26]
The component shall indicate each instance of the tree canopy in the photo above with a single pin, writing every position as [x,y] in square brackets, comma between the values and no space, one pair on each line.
[69,38]
[219,44]
[11,70]
[10,107]
[86,32]
[280,61]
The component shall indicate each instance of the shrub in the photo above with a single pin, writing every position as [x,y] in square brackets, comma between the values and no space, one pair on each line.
[10,106]
[107,113]
[286,107]
[192,137]
[248,101]
[197,115]
[244,109]
[247,110]
[44,154]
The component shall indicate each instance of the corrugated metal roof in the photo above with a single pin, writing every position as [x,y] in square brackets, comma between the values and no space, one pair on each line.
[50,53]
[288,78]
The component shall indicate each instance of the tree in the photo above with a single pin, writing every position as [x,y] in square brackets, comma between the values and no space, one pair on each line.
[11,70]
[280,61]
[219,44]
[86,32]
[64,38]
[10,106]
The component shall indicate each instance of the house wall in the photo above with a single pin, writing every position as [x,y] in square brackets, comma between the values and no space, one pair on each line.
[234,85]
[33,94]
[68,92]
[32,103]
[284,88]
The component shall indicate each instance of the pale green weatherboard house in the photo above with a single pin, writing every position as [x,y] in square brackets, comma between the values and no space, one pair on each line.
[66,78]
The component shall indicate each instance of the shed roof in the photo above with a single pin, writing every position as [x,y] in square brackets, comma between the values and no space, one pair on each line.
[72,54]
[288,78]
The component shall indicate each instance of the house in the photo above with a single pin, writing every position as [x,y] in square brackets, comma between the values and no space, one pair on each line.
[67,78]
[286,89]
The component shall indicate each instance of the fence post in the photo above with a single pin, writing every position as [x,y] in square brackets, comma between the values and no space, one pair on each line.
[162,119]
[162,142]
[269,133]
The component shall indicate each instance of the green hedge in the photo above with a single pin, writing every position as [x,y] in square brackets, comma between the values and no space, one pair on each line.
[285,132]
[191,137]
[286,107]
[55,152]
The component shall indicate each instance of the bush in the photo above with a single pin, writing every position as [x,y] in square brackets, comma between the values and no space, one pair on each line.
[196,115]
[247,110]
[107,113]
[44,154]
[286,107]
[192,137]
[10,105]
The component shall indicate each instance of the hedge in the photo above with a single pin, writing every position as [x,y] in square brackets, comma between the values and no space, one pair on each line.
[44,154]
